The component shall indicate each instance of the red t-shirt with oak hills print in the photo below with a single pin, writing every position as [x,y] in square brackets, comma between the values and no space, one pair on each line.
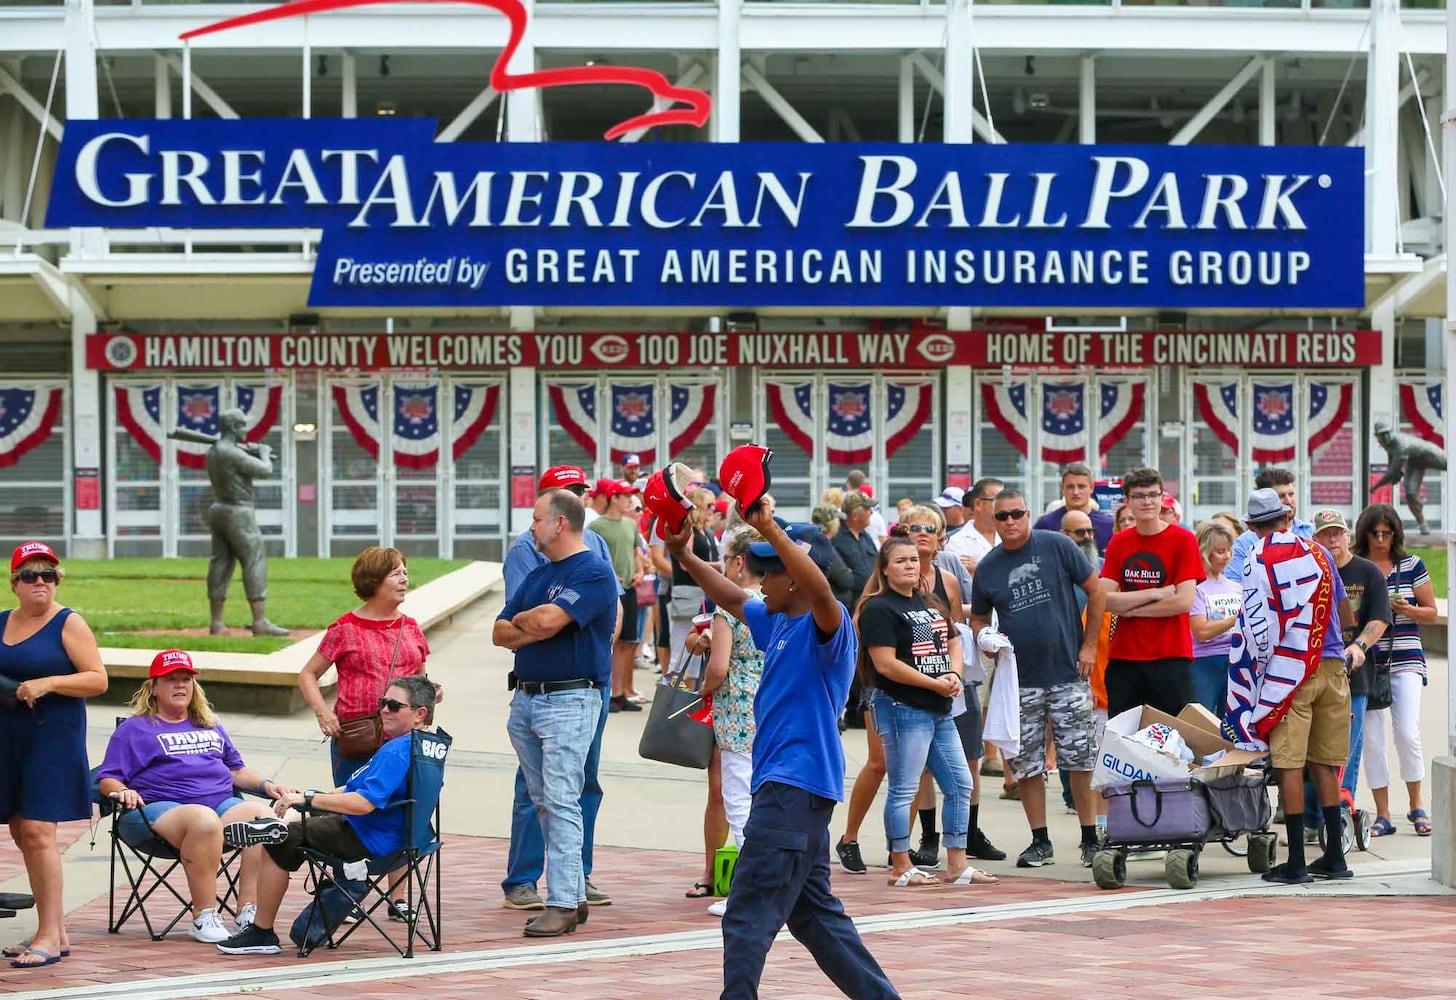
[1146,562]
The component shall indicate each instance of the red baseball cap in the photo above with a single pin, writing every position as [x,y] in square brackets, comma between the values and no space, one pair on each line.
[744,475]
[603,488]
[722,505]
[170,661]
[622,488]
[560,477]
[865,489]
[32,550]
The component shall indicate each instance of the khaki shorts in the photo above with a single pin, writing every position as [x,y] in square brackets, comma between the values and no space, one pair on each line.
[1317,728]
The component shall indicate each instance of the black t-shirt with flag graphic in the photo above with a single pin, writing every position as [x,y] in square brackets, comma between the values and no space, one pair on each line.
[920,636]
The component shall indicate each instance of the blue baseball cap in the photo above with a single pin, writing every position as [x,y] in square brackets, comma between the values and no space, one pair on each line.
[807,536]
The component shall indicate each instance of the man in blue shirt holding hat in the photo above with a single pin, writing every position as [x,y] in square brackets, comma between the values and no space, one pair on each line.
[809,646]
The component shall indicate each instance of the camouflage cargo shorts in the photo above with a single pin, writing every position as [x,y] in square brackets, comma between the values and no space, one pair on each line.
[1068,707]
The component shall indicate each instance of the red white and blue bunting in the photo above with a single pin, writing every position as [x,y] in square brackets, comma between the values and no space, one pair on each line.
[1420,404]
[415,418]
[27,417]
[1063,421]
[195,408]
[849,424]
[633,424]
[1276,432]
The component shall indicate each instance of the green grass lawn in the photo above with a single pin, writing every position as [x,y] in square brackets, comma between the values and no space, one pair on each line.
[1435,560]
[121,596]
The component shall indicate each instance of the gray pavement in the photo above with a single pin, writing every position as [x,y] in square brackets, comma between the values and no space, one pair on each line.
[647,805]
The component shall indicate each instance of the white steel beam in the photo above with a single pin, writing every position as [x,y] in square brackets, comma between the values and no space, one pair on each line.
[780,106]
[161,89]
[726,124]
[1087,100]
[690,78]
[1266,104]
[468,115]
[1406,93]
[210,97]
[1206,114]
[937,83]
[35,109]
[306,52]
[1382,131]
[842,127]
[349,81]
[1443,871]
[959,85]
[906,94]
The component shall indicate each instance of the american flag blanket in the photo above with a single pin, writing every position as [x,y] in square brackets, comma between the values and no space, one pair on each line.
[1288,593]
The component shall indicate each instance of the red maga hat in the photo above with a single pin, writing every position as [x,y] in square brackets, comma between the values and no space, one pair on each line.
[32,550]
[169,661]
[744,475]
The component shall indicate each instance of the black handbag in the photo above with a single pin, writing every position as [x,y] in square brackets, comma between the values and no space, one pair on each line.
[671,734]
[1380,695]
[8,687]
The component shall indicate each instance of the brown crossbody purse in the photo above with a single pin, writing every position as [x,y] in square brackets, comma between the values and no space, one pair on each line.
[359,738]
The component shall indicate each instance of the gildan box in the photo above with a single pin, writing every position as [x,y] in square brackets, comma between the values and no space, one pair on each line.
[1121,760]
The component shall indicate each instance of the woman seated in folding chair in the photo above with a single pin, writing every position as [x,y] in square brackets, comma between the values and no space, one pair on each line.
[357,825]
[174,769]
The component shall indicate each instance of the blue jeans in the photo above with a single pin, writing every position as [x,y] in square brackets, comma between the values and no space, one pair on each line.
[1210,682]
[915,739]
[133,829]
[1351,780]
[526,859]
[552,734]
[782,876]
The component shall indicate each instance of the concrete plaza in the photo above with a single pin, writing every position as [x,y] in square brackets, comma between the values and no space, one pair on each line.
[1041,933]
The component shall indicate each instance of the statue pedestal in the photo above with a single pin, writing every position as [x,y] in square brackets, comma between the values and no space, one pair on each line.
[1443,819]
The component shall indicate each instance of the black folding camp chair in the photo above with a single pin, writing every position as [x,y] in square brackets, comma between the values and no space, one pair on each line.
[417,863]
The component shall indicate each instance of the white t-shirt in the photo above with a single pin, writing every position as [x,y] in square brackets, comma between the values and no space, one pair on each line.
[970,542]
[876,528]
[591,516]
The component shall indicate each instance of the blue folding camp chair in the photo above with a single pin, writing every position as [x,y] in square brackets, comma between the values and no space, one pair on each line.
[417,863]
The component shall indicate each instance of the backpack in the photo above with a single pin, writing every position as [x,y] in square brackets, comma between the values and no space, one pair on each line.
[320,918]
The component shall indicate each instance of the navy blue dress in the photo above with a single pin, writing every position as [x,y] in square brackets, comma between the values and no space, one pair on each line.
[43,768]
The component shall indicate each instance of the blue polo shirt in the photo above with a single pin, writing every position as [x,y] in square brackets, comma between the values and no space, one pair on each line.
[804,686]
[523,556]
[585,588]
[382,781]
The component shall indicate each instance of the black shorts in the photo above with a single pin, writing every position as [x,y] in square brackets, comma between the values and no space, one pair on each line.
[331,835]
[629,616]
[969,725]
[1165,684]
[664,622]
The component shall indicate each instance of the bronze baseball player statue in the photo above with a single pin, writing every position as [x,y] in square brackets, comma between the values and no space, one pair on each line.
[1408,458]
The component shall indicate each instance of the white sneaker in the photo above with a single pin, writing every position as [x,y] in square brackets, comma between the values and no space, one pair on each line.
[208,928]
[244,919]
[718,907]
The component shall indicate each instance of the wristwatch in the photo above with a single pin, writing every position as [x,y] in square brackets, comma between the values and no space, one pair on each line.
[308,801]
[1364,646]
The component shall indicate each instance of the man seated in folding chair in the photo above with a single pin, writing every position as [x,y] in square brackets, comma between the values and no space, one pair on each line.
[370,818]
[173,769]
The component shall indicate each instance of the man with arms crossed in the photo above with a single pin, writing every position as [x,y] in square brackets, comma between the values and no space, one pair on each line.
[1150,574]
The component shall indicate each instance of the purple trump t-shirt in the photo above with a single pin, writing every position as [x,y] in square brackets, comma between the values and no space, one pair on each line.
[172,761]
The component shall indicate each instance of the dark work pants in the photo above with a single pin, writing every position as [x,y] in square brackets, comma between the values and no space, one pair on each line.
[782,876]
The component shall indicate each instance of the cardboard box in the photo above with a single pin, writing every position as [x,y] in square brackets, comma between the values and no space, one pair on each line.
[1121,760]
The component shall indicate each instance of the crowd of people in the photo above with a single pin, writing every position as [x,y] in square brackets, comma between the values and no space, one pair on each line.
[921,625]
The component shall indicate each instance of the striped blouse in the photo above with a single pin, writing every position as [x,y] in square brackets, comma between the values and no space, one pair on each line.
[1401,644]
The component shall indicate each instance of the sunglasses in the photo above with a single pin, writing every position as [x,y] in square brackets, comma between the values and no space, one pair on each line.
[389,704]
[1081,532]
[920,529]
[32,575]
[1011,515]
[1373,534]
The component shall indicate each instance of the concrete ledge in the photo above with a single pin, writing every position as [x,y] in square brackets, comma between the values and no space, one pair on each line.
[1433,637]
[1443,819]
[267,683]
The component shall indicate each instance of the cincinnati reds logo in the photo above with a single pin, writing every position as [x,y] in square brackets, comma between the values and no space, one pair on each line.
[699,104]
[121,352]
[611,349]
[938,348]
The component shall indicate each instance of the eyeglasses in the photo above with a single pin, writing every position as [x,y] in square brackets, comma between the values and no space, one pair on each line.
[390,705]
[1145,497]
[1080,532]
[921,529]
[32,575]
[1011,515]
[1374,534]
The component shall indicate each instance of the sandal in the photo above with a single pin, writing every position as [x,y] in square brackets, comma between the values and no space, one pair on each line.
[912,878]
[1382,827]
[16,950]
[700,890]
[973,876]
[1420,821]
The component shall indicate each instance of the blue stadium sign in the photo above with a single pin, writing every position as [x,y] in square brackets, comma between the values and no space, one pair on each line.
[410,222]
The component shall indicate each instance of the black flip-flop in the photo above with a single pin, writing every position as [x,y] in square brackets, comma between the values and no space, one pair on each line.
[706,890]
[23,948]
